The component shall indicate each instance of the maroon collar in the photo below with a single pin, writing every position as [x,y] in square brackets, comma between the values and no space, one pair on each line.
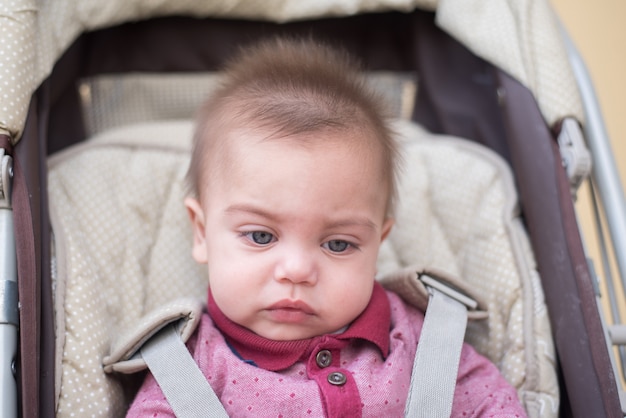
[372,325]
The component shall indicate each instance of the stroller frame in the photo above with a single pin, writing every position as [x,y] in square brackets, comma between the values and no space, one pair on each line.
[459,94]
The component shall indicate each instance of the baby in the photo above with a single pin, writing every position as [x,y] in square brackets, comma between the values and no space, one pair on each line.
[293,179]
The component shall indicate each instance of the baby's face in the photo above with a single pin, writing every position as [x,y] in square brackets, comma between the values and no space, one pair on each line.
[291,233]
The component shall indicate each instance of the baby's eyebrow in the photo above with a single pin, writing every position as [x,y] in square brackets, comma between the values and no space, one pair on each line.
[253,210]
[339,223]
[343,223]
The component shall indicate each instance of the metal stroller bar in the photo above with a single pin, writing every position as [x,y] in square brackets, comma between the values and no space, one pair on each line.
[604,168]
[608,186]
[614,310]
[8,291]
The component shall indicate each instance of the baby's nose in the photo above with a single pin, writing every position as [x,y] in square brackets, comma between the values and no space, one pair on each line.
[297,265]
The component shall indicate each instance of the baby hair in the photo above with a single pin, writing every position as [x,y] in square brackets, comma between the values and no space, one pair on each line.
[287,87]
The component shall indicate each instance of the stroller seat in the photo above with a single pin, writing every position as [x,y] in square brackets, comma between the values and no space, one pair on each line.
[122,246]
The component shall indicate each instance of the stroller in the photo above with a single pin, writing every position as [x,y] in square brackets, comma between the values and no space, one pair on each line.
[80,68]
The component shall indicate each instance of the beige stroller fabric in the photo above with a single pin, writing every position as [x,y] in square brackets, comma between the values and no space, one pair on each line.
[520,36]
[123,250]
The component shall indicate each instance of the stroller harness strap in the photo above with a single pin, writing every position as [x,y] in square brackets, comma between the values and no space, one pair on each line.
[435,370]
[183,384]
[433,377]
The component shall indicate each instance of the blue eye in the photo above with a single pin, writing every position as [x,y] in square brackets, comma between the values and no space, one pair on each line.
[260,237]
[337,245]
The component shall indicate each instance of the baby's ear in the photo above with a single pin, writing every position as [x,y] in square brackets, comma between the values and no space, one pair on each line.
[196,215]
[387,225]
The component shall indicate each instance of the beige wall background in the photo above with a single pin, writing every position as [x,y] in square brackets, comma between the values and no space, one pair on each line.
[598,30]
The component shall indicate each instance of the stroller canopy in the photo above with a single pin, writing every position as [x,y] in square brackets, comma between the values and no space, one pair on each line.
[521,37]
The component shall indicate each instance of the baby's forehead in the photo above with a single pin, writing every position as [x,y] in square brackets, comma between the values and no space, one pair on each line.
[232,146]
[362,146]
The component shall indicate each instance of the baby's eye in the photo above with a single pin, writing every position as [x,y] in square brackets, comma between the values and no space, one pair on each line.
[260,237]
[337,245]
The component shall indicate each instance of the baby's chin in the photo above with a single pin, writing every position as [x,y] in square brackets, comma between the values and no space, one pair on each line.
[294,333]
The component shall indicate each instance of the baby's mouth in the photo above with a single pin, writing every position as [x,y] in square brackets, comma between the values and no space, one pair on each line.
[290,311]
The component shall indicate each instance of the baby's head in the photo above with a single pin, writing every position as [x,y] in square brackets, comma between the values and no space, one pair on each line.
[293,178]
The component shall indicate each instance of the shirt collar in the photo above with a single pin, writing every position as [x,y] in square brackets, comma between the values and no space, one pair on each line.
[371,325]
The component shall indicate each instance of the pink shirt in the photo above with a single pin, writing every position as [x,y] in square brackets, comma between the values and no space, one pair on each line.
[364,371]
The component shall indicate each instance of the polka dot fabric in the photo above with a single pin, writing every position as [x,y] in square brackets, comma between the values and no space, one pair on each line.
[17,61]
[123,249]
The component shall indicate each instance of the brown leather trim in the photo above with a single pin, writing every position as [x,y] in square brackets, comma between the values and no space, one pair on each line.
[27,237]
[587,293]
[548,209]
[5,143]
